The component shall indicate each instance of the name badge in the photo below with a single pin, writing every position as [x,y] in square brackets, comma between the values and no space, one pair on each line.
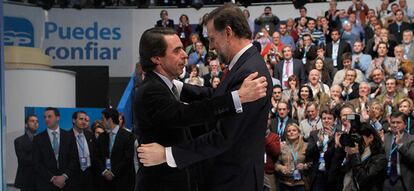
[84,162]
[108,164]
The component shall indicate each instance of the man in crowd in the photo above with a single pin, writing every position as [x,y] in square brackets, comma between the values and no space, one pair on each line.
[267,20]
[115,155]
[23,146]
[360,60]
[336,49]
[165,21]
[55,158]
[399,26]
[85,143]
[288,67]
[281,119]
[285,37]
[399,149]
[408,45]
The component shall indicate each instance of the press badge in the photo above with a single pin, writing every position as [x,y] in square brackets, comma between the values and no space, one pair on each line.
[108,163]
[84,162]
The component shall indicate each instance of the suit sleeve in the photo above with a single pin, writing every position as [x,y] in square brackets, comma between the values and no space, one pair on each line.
[40,167]
[226,133]
[23,156]
[128,156]
[407,151]
[73,167]
[191,93]
[162,108]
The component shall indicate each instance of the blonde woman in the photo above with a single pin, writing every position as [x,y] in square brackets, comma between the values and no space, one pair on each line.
[291,166]
[406,106]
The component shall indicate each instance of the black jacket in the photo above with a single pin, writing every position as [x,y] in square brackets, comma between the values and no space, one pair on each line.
[25,163]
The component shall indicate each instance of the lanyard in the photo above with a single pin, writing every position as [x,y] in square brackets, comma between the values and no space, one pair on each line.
[81,145]
[316,123]
[408,125]
[392,150]
[294,154]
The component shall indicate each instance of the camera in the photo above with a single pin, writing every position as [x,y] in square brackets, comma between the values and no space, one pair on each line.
[353,136]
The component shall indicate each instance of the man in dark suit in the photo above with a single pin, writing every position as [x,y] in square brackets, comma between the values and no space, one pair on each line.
[85,141]
[115,155]
[289,66]
[55,156]
[399,148]
[399,26]
[236,142]
[306,52]
[159,91]
[23,146]
[350,88]
[335,49]
[281,119]
[165,21]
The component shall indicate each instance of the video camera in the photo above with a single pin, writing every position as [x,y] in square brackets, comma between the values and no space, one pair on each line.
[349,139]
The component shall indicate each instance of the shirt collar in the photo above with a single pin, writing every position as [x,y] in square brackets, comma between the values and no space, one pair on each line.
[115,130]
[165,79]
[76,132]
[57,130]
[238,55]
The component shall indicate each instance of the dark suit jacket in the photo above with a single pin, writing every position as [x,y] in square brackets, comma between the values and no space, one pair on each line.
[163,119]
[371,43]
[393,28]
[406,157]
[25,168]
[170,24]
[86,180]
[122,161]
[236,142]
[343,48]
[298,70]
[311,54]
[274,124]
[46,166]
[354,94]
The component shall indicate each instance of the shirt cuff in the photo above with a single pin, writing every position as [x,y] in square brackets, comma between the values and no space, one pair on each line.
[170,158]
[237,103]
[66,176]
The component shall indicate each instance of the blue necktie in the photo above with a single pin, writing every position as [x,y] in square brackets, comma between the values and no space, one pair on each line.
[111,142]
[55,144]
[393,172]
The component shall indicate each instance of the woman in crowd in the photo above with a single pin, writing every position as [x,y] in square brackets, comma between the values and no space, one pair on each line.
[319,65]
[202,30]
[291,165]
[290,94]
[304,97]
[194,78]
[184,30]
[407,88]
[97,128]
[405,105]
[366,163]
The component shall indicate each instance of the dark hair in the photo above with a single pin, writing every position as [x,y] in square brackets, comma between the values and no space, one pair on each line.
[367,130]
[382,42]
[184,15]
[163,11]
[229,15]
[321,46]
[336,30]
[76,113]
[111,113]
[277,86]
[152,44]
[325,109]
[55,111]
[307,35]
[268,8]
[399,114]
[303,7]
[310,97]
[282,23]
[26,120]
[346,56]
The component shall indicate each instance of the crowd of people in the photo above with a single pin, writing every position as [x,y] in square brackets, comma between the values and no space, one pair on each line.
[338,118]
[351,64]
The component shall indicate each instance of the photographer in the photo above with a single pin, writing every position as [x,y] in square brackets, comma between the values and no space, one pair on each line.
[365,163]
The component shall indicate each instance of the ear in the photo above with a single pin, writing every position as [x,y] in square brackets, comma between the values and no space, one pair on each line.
[228,32]
[156,60]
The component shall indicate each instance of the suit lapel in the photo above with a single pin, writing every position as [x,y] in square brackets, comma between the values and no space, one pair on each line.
[153,76]
[223,86]
[48,148]
[117,142]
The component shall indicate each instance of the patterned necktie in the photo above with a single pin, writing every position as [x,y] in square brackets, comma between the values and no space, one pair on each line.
[175,92]
[393,170]
[55,144]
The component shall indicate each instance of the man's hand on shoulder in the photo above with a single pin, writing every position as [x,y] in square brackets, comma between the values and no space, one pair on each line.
[253,88]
